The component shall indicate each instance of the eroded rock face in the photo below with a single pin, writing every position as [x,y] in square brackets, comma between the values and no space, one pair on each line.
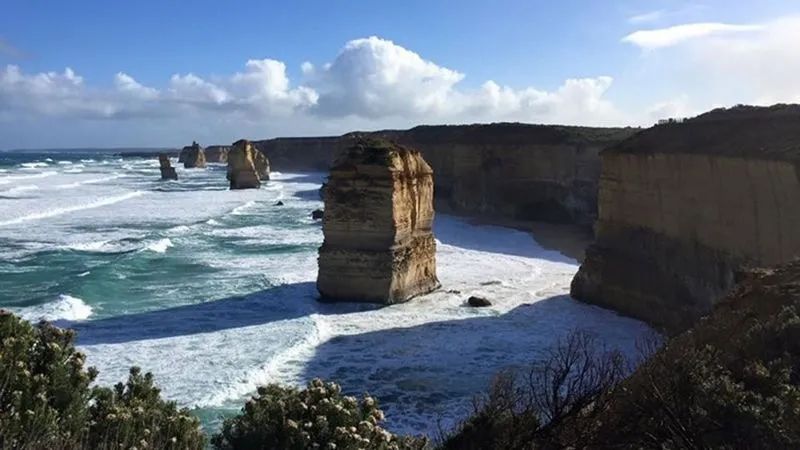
[684,206]
[261,164]
[193,156]
[167,171]
[217,153]
[242,172]
[504,170]
[379,244]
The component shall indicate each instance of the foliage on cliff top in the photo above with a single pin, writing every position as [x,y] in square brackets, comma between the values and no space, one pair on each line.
[316,417]
[742,131]
[733,381]
[46,401]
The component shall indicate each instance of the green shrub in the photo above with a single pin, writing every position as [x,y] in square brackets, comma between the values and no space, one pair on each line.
[316,417]
[47,402]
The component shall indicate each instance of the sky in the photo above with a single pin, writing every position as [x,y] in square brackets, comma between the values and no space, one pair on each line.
[95,73]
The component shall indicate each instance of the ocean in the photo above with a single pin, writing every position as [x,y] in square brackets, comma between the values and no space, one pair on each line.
[213,290]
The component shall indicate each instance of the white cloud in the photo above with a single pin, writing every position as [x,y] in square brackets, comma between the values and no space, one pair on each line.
[756,67]
[667,37]
[374,77]
[651,16]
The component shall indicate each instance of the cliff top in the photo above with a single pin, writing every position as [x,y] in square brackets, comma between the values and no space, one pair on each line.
[742,131]
[366,151]
[511,134]
[502,132]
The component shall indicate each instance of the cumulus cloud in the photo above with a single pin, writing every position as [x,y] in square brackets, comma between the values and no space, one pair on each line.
[667,37]
[374,78]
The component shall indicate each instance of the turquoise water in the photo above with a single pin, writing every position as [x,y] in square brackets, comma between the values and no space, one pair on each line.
[213,290]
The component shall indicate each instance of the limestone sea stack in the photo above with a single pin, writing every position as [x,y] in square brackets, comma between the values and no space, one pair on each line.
[193,156]
[242,172]
[379,244]
[684,206]
[167,171]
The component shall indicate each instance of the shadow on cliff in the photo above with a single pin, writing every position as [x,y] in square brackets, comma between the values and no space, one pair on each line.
[433,370]
[283,302]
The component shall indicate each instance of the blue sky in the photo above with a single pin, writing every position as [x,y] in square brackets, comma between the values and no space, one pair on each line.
[99,73]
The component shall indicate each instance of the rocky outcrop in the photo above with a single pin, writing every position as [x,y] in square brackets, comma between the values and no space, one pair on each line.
[261,164]
[683,206]
[504,170]
[217,153]
[379,244]
[167,171]
[242,172]
[193,156]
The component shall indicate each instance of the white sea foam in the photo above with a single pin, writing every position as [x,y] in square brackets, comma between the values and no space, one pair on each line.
[90,181]
[159,246]
[59,211]
[65,307]
[34,165]
[239,210]
[15,178]
[18,189]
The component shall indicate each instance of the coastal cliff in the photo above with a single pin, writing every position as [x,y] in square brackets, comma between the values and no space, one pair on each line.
[684,206]
[217,153]
[379,244]
[505,170]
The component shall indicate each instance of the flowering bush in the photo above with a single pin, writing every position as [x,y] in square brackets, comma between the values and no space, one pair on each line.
[46,400]
[318,417]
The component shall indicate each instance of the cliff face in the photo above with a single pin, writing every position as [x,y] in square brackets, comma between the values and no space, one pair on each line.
[242,172]
[193,156]
[379,243]
[676,222]
[217,153]
[261,163]
[502,170]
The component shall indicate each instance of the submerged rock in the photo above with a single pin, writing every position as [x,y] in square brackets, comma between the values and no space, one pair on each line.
[241,168]
[279,203]
[167,171]
[478,302]
[317,214]
[379,244]
[193,156]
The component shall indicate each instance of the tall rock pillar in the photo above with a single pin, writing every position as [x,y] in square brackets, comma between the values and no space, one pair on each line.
[379,244]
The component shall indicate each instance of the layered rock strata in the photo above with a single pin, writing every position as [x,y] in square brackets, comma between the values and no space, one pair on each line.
[193,156]
[261,163]
[167,171]
[503,170]
[242,172]
[684,206]
[217,153]
[379,244]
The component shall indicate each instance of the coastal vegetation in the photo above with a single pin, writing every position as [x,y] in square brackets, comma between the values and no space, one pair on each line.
[731,381]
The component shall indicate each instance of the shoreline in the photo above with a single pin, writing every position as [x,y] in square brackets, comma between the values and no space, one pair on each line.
[568,239]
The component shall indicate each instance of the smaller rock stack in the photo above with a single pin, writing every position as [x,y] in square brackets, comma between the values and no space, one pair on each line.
[217,153]
[242,170]
[167,171]
[379,244]
[193,156]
